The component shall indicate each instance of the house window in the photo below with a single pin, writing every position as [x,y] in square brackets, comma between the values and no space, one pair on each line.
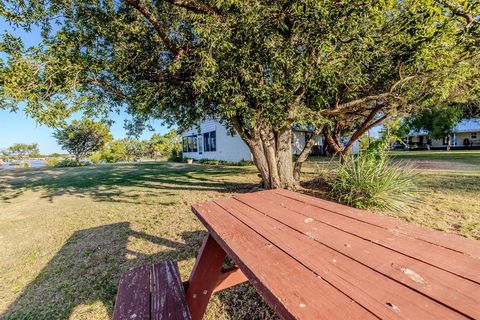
[446,140]
[210,141]
[473,135]
[189,143]
[200,143]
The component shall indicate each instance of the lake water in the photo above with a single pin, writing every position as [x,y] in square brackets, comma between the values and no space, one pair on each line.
[33,163]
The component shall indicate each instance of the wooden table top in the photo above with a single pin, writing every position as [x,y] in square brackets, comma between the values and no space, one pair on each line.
[314,259]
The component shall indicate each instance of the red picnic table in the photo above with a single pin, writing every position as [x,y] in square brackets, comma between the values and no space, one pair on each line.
[314,259]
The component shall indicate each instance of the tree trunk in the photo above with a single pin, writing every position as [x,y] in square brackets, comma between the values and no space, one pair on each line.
[333,141]
[272,153]
[297,169]
[333,137]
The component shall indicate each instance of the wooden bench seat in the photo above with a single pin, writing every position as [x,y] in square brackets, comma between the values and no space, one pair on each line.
[151,292]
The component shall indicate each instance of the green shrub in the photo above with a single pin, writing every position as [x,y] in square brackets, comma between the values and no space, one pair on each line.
[175,155]
[24,164]
[245,163]
[210,162]
[71,163]
[96,157]
[370,180]
[241,163]
[52,162]
[110,157]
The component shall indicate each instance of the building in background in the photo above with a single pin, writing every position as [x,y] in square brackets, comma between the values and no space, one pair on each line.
[466,135]
[211,140]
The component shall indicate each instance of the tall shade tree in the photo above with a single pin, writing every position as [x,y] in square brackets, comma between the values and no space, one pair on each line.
[439,121]
[259,66]
[82,137]
[135,149]
[164,145]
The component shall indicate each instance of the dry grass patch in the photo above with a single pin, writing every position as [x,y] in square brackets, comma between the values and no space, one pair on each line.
[67,234]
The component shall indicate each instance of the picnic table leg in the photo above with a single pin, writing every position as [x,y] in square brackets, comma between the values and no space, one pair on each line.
[204,277]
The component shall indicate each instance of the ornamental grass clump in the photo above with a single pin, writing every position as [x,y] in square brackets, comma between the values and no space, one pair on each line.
[372,180]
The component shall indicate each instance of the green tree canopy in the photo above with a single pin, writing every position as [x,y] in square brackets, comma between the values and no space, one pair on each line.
[135,149]
[164,145]
[438,121]
[82,137]
[115,151]
[22,150]
[258,65]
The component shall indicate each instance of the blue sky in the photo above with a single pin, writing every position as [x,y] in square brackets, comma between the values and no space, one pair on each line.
[18,128]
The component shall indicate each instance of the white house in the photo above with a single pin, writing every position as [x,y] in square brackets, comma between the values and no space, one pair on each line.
[211,140]
[466,135]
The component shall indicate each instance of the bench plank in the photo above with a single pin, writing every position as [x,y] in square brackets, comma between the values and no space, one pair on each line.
[133,298]
[151,292]
[168,296]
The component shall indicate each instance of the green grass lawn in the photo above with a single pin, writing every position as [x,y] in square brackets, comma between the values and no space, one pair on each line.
[458,156]
[67,234]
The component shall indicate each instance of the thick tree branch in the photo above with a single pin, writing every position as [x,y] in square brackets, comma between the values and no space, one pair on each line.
[366,125]
[305,153]
[108,88]
[351,105]
[241,131]
[147,13]
[460,12]
[194,6]
[344,107]
[308,146]
[331,141]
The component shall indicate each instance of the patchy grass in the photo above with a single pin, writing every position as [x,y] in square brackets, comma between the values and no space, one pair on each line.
[450,190]
[451,202]
[452,156]
[67,234]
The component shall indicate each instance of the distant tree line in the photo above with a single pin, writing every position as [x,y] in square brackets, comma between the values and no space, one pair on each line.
[158,147]
[88,139]
[21,151]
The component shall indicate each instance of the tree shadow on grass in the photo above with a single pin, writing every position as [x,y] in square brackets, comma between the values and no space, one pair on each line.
[87,268]
[130,183]
[86,271]
[244,302]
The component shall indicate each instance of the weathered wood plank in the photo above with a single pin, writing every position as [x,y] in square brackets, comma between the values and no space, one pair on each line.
[229,278]
[291,289]
[204,277]
[442,286]
[439,238]
[458,263]
[385,298]
[168,297]
[133,298]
